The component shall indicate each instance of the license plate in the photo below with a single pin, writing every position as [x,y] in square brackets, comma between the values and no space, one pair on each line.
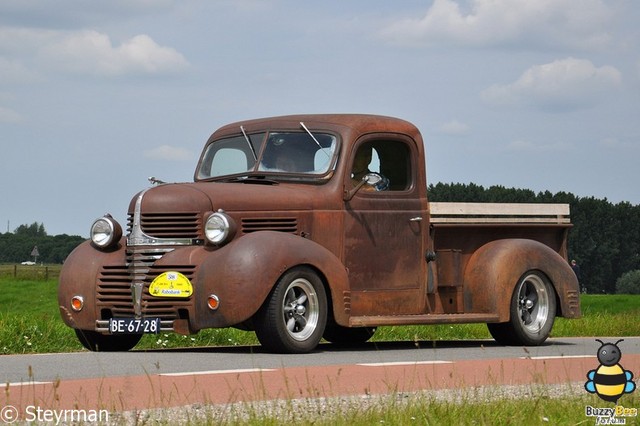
[134,325]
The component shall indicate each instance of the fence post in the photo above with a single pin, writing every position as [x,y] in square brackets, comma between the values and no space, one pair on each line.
[15,270]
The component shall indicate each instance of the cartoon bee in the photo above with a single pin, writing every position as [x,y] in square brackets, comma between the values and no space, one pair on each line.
[609,381]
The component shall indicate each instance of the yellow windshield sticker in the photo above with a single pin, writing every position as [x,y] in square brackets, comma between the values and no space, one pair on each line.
[171,284]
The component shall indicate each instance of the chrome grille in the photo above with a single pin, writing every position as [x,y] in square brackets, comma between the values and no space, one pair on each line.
[281,224]
[169,225]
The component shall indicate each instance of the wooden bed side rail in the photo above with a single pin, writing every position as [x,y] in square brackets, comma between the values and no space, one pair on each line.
[499,213]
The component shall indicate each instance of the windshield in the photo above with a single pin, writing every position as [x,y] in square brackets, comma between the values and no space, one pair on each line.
[280,153]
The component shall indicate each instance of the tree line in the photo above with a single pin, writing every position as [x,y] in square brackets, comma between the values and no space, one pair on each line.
[604,240]
[18,246]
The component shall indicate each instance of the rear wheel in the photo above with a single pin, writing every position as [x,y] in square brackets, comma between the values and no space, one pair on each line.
[532,312]
[294,316]
[98,342]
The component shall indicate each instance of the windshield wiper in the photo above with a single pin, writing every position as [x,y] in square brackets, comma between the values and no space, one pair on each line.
[246,138]
[315,140]
[248,178]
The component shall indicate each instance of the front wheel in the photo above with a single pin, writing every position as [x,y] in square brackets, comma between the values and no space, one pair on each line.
[293,317]
[532,311]
[98,342]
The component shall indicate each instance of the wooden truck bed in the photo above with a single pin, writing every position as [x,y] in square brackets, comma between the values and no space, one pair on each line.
[499,213]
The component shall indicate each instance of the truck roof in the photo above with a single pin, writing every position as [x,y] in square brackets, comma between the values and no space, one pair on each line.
[340,123]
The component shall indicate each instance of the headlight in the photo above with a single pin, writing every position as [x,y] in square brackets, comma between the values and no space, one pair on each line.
[219,228]
[105,232]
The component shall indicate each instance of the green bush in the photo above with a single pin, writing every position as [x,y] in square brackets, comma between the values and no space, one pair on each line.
[629,283]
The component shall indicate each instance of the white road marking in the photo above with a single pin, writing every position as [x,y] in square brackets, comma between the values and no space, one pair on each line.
[558,357]
[201,373]
[384,364]
[27,383]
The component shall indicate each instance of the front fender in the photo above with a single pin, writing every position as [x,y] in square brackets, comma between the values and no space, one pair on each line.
[243,273]
[79,276]
[494,269]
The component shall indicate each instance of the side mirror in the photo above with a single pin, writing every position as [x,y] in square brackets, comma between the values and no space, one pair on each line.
[371,179]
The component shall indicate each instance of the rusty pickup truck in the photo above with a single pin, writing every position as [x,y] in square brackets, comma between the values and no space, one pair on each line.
[306,227]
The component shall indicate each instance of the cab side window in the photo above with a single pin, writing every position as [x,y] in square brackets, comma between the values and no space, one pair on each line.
[389,158]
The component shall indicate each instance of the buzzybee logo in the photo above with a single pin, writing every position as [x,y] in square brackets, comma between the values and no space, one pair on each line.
[609,381]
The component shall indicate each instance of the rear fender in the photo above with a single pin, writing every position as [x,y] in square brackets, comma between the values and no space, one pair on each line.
[494,269]
[243,273]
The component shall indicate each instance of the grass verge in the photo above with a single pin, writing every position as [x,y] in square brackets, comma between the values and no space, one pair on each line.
[30,323]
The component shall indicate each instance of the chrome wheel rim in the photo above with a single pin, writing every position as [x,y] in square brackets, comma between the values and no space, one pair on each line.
[533,303]
[301,309]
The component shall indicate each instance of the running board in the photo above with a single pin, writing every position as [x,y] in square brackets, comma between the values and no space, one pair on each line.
[373,321]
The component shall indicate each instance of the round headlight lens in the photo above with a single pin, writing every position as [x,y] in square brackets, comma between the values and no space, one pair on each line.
[217,228]
[105,232]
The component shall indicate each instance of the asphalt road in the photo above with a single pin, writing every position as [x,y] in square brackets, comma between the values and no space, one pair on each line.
[130,381]
[83,365]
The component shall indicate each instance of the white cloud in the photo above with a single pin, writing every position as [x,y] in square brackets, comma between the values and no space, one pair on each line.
[166,152]
[569,23]
[454,127]
[560,85]
[92,52]
[83,52]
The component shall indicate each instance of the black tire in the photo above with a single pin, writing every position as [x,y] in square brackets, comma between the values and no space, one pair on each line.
[532,312]
[293,317]
[98,342]
[339,335]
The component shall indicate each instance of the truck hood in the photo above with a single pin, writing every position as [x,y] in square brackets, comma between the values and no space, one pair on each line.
[211,196]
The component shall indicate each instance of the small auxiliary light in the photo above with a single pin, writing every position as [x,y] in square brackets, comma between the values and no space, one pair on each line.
[77,303]
[213,302]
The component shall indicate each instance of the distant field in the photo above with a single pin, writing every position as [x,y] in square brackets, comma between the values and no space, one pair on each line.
[30,323]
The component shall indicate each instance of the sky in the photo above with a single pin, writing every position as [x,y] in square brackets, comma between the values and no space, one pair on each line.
[96,96]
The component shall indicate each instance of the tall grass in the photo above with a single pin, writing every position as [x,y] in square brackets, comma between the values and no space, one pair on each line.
[30,323]
[510,405]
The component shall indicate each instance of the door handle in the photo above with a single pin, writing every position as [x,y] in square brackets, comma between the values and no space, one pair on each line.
[416,219]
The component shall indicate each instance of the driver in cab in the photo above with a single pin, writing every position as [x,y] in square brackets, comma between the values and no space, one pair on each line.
[361,171]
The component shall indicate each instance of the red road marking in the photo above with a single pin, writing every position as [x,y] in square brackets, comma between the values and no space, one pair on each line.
[219,387]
